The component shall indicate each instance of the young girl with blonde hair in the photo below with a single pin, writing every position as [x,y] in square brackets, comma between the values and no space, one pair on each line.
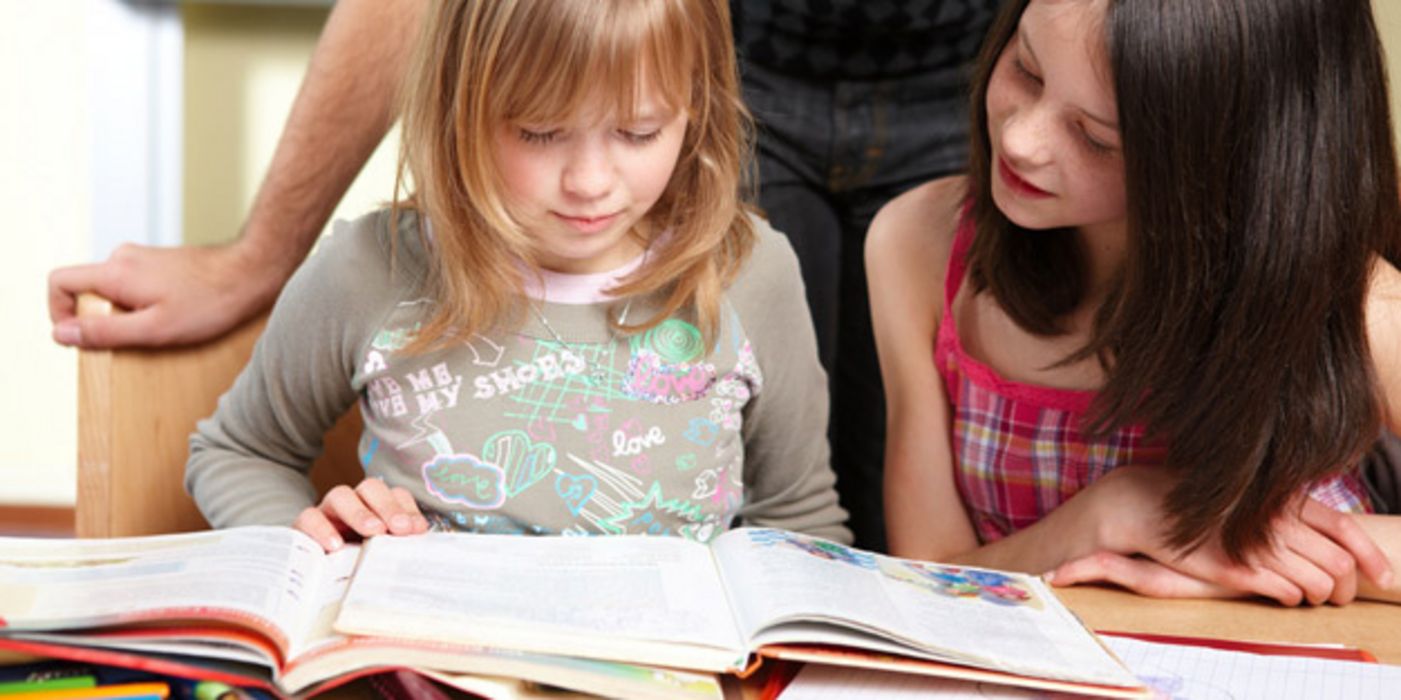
[573,325]
[1148,337]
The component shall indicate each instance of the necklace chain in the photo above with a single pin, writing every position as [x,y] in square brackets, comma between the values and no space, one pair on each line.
[598,376]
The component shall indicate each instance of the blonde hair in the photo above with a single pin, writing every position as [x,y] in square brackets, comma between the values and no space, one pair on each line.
[481,63]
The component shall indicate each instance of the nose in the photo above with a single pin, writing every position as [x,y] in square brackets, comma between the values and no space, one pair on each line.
[1025,137]
[589,173]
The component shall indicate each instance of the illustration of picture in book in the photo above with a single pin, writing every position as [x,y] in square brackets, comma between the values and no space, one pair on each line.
[957,582]
[821,549]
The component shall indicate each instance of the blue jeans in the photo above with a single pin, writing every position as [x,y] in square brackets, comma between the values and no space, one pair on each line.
[831,153]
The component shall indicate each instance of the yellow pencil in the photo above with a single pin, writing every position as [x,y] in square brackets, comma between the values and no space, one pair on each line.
[121,690]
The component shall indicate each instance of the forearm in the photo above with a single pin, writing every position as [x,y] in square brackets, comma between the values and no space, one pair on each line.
[921,525]
[345,106]
[1385,530]
[1065,534]
[924,516]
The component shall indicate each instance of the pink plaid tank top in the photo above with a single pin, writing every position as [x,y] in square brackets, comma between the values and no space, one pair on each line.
[1018,450]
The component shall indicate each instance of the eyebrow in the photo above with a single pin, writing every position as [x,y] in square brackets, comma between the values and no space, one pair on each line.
[1025,44]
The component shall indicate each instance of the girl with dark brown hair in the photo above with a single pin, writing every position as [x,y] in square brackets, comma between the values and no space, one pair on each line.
[1150,334]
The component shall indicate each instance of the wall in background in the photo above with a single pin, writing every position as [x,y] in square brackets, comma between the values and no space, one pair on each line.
[242,69]
[1388,14]
[243,64]
[45,194]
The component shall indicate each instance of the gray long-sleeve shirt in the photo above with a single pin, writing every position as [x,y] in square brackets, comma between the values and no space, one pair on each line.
[516,431]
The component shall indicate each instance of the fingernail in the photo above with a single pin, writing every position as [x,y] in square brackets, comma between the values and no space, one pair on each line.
[400,523]
[68,333]
[372,525]
[1388,579]
[1049,577]
[335,543]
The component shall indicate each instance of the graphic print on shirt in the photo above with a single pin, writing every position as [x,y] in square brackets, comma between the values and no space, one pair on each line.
[519,435]
[510,463]
[660,369]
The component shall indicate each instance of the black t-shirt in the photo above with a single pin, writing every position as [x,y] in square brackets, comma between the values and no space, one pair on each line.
[859,39]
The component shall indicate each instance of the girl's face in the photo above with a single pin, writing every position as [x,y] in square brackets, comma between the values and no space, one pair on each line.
[1053,121]
[579,186]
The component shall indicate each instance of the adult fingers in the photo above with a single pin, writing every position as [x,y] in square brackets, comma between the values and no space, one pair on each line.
[141,328]
[316,524]
[66,283]
[1343,529]
[1140,575]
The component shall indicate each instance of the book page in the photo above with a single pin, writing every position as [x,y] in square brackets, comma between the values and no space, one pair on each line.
[262,577]
[573,595]
[999,621]
[323,603]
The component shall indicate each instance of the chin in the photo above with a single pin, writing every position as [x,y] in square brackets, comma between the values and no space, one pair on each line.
[1018,212]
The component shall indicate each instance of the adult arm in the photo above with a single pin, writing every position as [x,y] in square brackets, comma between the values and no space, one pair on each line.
[342,111]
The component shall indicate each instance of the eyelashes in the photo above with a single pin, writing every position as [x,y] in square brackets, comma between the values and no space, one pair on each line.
[537,137]
[635,138]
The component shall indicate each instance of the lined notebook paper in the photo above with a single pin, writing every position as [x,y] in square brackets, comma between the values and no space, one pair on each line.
[1174,671]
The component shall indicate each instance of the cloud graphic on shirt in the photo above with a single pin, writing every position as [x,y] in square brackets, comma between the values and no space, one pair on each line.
[466,480]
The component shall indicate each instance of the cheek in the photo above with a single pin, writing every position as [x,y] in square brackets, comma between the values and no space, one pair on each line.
[652,172]
[521,175]
[1103,188]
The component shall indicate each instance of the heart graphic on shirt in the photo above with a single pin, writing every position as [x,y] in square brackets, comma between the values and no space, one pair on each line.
[523,461]
[575,490]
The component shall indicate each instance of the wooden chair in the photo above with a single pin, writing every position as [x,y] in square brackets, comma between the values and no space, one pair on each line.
[136,410]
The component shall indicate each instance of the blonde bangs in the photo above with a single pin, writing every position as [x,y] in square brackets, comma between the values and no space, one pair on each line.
[617,47]
[484,63]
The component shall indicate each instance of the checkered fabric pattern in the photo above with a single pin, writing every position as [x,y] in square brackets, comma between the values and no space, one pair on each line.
[1018,449]
[858,39]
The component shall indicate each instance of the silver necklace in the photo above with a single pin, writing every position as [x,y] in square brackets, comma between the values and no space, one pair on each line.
[598,375]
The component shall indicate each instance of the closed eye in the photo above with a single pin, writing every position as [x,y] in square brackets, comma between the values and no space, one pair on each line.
[638,138]
[1024,72]
[538,137]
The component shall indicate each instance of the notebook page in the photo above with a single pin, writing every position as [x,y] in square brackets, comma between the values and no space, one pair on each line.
[1174,671]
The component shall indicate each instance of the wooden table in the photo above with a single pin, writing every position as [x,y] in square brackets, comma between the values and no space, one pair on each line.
[1375,627]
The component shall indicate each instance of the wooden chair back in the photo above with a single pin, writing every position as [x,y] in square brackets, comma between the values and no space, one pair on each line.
[136,410]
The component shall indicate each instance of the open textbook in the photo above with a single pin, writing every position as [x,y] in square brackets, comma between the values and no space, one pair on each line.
[565,611]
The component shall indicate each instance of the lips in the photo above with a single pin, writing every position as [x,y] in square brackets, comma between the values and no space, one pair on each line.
[1016,183]
[588,224]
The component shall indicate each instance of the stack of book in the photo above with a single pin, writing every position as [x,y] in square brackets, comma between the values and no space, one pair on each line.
[619,616]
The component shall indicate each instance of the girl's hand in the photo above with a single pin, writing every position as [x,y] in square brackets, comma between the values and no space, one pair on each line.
[371,508]
[1315,555]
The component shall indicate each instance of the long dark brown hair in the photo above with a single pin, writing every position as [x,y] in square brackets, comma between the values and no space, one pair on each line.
[1262,185]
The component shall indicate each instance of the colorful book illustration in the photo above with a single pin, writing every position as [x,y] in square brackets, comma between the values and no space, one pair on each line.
[622,616]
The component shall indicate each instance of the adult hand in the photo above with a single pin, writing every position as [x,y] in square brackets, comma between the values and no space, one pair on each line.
[371,508]
[176,295]
[1314,554]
